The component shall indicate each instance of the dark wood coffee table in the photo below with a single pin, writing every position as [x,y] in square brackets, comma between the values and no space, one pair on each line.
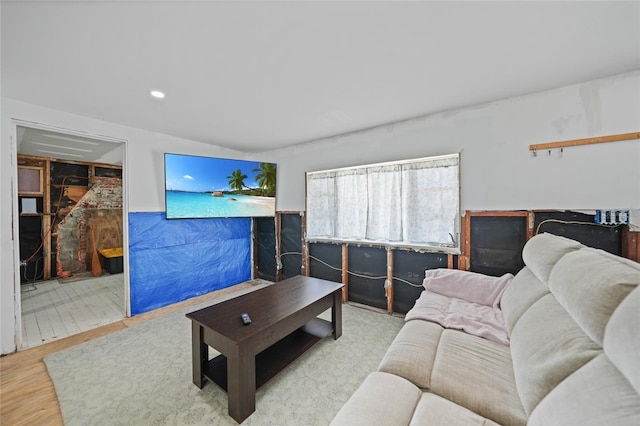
[284,325]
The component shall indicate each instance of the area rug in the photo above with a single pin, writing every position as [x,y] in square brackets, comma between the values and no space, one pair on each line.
[142,376]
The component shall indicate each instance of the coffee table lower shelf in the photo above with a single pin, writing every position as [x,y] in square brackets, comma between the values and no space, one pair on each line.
[276,357]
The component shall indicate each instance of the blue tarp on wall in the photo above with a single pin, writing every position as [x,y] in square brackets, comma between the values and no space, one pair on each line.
[173,260]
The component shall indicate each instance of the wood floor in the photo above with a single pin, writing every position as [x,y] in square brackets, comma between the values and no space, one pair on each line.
[55,309]
[27,395]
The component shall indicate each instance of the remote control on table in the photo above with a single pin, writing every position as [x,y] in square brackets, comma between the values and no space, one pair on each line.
[245,319]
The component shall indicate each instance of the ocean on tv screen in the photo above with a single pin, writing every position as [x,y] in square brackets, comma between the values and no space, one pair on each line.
[183,205]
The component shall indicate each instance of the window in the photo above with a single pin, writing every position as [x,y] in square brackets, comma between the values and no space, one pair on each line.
[30,180]
[413,203]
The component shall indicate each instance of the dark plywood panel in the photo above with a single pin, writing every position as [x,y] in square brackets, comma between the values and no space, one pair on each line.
[31,244]
[580,227]
[323,254]
[410,266]
[265,233]
[496,244]
[291,244]
[62,176]
[108,172]
[367,265]
[71,174]
[496,248]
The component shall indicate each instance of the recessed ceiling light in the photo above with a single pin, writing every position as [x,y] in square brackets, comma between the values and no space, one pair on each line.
[157,94]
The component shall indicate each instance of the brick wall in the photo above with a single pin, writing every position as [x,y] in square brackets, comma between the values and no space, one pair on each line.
[100,208]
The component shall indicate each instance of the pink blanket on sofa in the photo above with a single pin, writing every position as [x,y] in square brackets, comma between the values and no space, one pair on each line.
[449,312]
[463,301]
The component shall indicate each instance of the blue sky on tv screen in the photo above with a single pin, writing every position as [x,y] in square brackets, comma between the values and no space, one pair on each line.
[198,174]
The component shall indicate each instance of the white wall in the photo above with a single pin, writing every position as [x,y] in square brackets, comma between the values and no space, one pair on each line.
[143,171]
[498,172]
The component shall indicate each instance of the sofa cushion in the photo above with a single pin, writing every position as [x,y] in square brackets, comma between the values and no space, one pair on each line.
[523,291]
[477,374]
[412,353]
[547,345]
[590,284]
[622,339]
[542,252]
[382,399]
[435,410]
[597,394]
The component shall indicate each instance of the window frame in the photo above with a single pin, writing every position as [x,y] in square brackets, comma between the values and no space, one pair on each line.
[30,180]
[455,248]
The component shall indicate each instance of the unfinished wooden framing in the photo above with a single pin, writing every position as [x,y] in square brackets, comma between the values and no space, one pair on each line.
[630,244]
[44,164]
[278,241]
[388,285]
[631,248]
[304,246]
[46,206]
[389,279]
[345,272]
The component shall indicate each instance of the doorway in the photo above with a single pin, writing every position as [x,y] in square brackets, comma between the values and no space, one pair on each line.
[71,233]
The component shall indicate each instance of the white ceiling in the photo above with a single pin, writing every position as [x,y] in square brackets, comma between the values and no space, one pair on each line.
[64,146]
[254,76]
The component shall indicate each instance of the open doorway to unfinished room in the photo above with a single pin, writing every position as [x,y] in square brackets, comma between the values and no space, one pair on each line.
[71,233]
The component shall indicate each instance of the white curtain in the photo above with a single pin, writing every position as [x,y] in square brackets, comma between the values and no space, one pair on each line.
[430,202]
[384,221]
[351,204]
[321,199]
[409,202]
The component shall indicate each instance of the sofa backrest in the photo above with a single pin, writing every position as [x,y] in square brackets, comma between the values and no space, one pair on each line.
[606,390]
[558,311]
[540,254]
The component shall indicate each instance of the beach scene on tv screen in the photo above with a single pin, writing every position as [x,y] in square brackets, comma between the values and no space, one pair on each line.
[204,187]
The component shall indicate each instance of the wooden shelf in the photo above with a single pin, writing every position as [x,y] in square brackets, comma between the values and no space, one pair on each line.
[585,141]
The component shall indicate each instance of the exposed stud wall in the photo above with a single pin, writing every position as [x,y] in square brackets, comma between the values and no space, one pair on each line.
[100,207]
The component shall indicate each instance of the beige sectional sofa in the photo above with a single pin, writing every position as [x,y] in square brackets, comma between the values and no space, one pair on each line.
[573,318]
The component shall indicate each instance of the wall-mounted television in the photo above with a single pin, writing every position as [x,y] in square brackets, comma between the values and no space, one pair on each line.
[206,187]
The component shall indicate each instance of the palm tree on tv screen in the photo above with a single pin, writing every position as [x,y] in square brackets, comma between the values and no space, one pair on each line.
[266,178]
[236,180]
